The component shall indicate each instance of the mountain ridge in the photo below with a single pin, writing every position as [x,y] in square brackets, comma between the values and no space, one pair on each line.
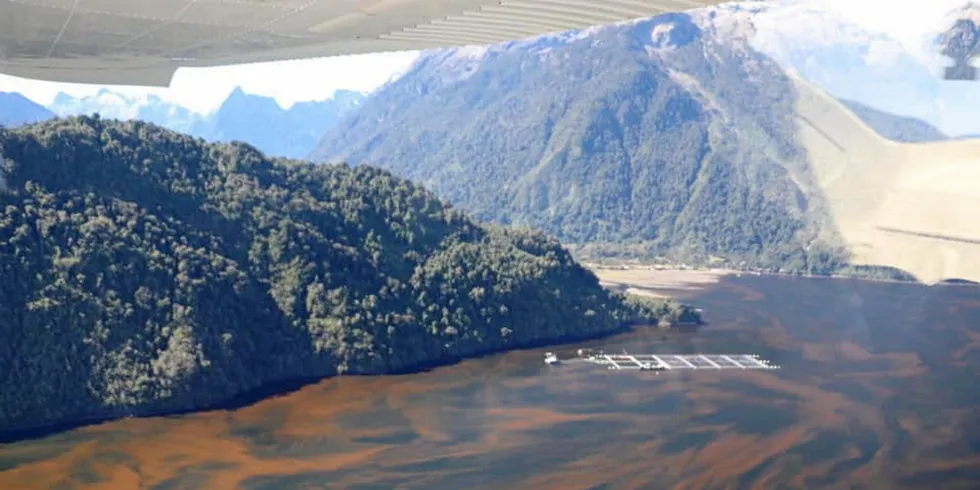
[893,127]
[514,133]
[672,135]
[15,109]
[288,132]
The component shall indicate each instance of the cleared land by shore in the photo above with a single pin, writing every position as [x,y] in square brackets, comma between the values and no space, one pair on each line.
[679,284]
[658,283]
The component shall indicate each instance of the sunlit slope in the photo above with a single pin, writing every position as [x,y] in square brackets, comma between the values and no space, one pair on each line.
[908,205]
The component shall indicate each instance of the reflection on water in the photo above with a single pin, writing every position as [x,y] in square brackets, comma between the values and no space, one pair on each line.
[878,389]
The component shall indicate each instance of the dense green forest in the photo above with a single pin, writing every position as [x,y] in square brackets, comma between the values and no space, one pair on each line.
[145,270]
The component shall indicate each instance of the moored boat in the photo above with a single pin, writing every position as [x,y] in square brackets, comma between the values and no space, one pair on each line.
[550,358]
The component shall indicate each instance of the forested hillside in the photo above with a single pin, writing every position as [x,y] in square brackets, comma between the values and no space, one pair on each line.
[669,135]
[672,138]
[144,270]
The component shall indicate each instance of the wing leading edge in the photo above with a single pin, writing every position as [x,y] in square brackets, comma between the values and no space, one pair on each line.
[143,42]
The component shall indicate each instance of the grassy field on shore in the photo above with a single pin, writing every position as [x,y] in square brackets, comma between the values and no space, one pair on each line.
[677,282]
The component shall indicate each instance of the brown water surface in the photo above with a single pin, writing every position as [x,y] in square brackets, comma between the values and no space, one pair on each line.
[879,388]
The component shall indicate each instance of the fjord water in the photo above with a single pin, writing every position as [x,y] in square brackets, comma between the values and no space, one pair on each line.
[878,389]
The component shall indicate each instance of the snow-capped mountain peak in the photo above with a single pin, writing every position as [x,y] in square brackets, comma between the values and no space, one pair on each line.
[113,105]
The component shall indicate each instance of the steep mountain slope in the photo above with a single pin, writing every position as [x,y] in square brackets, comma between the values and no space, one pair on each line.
[144,270]
[253,119]
[672,135]
[15,109]
[662,131]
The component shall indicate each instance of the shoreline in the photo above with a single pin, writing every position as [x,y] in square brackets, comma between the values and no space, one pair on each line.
[674,284]
[285,387]
[717,273]
[657,282]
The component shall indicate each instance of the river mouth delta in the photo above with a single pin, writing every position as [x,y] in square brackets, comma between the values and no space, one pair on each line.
[877,389]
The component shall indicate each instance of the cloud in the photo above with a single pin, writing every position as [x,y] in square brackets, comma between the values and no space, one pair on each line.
[913,23]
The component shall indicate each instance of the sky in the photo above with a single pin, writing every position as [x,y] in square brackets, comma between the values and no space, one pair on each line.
[912,22]
[203,89]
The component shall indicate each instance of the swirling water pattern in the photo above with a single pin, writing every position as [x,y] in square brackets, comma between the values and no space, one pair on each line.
[879,388]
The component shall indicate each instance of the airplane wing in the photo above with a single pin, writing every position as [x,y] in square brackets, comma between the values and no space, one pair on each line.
[143,42]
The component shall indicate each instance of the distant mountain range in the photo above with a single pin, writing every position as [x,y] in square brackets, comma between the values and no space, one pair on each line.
[254,119]
[15,109]
[692,136]
[898,128]
[260,121]
[700,136]
[112,105]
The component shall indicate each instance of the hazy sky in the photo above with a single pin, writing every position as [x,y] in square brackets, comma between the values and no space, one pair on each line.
[202,89]
[913,22]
